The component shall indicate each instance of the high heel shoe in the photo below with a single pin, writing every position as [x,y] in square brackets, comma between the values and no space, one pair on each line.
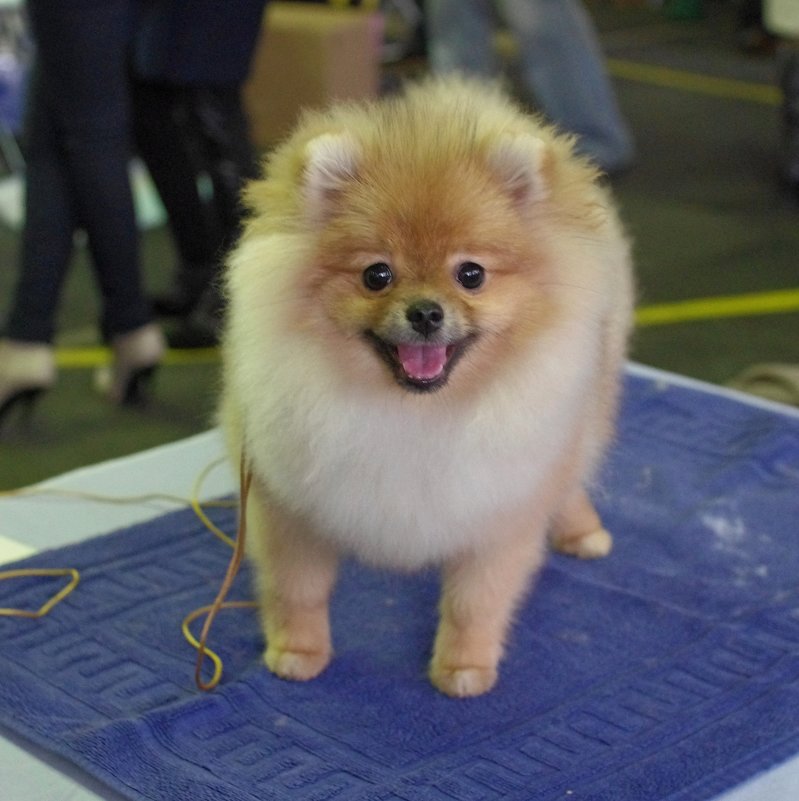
[27,369]
[137,355]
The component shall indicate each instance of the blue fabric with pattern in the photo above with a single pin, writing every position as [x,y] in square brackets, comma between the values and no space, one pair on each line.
[669,670]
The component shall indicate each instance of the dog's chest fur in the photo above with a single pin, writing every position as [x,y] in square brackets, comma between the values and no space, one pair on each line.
[406,480]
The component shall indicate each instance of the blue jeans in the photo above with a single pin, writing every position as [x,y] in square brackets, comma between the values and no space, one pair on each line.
[561,62]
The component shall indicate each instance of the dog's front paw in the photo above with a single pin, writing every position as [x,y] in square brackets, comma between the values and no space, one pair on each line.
[593,545]
[463,682]
[296,665]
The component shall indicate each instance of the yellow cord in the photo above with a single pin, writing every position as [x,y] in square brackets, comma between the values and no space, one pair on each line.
[6,575]
[195,643]
[210,612]
[39,491]
[198,510]
[194,502]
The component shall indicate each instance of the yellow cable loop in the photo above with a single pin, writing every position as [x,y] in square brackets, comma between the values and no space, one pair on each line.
[206,651]
[7,575]
[209,611]
[74,575]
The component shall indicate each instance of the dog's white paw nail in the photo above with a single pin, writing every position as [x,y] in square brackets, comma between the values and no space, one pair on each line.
[296,665]
[464,682]
[594,545]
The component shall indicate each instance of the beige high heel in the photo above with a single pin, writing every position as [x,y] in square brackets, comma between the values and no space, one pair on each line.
[27,369]
[137,355]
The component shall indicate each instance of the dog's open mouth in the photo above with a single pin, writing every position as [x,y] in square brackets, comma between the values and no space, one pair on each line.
[420,366]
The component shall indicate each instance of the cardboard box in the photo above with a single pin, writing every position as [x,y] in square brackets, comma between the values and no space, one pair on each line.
[308,56]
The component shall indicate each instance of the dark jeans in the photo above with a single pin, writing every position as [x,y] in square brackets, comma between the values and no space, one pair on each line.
[77,151]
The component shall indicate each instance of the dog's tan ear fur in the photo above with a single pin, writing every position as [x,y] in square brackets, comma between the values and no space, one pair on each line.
[520,162]
[331,161]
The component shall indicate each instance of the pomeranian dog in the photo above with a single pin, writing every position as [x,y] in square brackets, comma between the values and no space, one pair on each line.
[428,315]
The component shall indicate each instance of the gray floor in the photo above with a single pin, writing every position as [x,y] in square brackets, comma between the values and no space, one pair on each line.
[702,204]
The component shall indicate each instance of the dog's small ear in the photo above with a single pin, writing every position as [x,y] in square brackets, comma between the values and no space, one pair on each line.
[520,162]
[331,161]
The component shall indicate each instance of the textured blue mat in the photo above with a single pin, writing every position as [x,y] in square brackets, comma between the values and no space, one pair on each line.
[668,671]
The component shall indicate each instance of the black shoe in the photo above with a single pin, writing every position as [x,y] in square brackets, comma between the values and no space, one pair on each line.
[193,333]
[189,284]
[202,328]
[173,303]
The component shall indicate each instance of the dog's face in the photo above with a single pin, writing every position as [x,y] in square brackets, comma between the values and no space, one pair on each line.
[422,333]
[427,272]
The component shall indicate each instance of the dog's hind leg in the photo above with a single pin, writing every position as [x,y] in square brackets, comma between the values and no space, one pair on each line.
[577,529]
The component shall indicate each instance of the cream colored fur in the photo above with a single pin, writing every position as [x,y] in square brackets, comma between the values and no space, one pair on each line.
[472,476]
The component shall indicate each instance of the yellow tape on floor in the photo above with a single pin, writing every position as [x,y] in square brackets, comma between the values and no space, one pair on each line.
[685,81]
[781,301]
[77,358]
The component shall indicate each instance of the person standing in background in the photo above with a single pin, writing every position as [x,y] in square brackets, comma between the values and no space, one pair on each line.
[190,60]
[561,65]
[77,155]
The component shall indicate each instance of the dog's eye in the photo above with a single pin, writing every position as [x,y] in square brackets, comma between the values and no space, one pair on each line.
[377,276]
[470,275]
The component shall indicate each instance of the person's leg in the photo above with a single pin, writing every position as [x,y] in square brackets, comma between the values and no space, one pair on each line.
[216,115]
[460,36]
[563,67]
[46,241]
[166,139]
[82,50]
[227,153]
[27,359]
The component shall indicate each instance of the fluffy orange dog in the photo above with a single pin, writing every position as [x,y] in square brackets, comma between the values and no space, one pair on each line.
[428,317]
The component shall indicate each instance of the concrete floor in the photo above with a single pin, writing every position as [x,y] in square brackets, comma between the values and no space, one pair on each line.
[702,204]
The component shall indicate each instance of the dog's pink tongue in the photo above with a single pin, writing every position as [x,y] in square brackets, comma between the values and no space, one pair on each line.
[422,362]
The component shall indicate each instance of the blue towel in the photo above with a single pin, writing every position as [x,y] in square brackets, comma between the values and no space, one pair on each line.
[669,670]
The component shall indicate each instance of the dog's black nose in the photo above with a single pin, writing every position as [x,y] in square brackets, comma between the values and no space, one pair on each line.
[425,316]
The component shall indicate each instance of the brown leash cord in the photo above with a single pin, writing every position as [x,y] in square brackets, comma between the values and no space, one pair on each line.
[245,479]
